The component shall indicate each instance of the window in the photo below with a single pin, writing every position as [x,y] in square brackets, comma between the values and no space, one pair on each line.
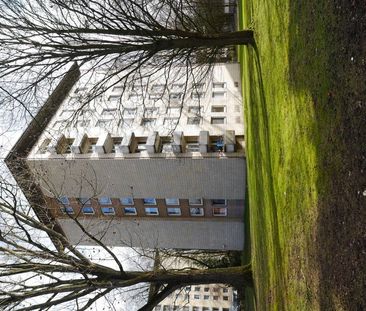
[218,108]
[194,109]
[149,201]
[126,201]
[126,122]
[215,289]
[174,211]
[151,211]
[87,210]
[194,121]
[170,122]
[116,142]
[173,110]
[151,111]
[63,200]
[218,95]
[107,210]
[221,202]
[192,147]
[195,201]
[69,142]
[218,120]
[196,211]
[175,96]
[225,290]
[92,142]
[196,296]
[118,89]
[225,298]
[197,95]
[219,85]
[195,308]
[148,121]
[130,210]
[206,297]
[156,96]
[216,309]
[236,84]
[139,87]
[84,201]
[215,297]
[197,289]
[158,88]
[129,112]
[67,210]
[225,309]
[82,123]
[158,308]
[109,111]
[105,201]
[219,211]
[177,86]
[104,123]
[114,98]
[206,289]
[205,308]
[172,201]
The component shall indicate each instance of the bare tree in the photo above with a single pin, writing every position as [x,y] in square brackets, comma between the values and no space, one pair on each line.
[131,39]
[36,275]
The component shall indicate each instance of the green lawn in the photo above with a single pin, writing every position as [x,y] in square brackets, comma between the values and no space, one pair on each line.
[300,95]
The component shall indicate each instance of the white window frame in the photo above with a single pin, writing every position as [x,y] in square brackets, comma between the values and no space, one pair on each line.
[194,204]
[84,201]
[219,204]
[131,201]
[218,95]
[88,207]
[149,213]
[218,85]
[194,209]
[217,118]
[63,200]
[129,213]
[172,201]
[104,200]
[153,199]
[111,208]
[218,106]
[175,209]
[220,214]
[67,210]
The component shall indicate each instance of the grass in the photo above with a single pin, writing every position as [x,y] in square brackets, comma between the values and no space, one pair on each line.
[305,125]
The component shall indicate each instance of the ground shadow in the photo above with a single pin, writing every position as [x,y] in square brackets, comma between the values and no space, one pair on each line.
[327,58]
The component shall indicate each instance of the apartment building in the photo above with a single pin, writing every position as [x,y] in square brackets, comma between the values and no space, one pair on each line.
[147,164]
[208,297]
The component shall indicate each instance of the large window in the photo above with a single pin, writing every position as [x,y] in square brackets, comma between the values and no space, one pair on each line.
[127,201]
[67,210]
[149,201]
[105,201]
[219,211]
[87,210]
[218,108]
[130,211]
[218,120]
[63,200]
[195,201]
[219,202]
[107,210]
[84,201]
[151,211]
[172,201]
[174,211]
[196,211]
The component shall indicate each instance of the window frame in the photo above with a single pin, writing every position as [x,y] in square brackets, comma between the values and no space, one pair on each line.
[202,211]
[195,204]
[149,213]
[100,200]
[129,213]
[174,214]
[67,210]
[88,207]
[65,198]
[147,202]
[102,208]
[130,202]
[175,203]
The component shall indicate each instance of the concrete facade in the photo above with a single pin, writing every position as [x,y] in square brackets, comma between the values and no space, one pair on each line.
[156,164]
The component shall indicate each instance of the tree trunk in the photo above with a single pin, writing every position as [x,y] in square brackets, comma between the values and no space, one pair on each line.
[243,37]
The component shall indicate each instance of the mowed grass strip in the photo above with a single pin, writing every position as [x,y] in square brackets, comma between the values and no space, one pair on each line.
[297,113]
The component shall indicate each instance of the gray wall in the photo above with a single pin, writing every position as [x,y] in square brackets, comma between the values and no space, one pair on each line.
[150,233]
[155,177]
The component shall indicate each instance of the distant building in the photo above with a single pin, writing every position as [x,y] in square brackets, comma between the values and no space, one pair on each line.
[212,297]
[157,166]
